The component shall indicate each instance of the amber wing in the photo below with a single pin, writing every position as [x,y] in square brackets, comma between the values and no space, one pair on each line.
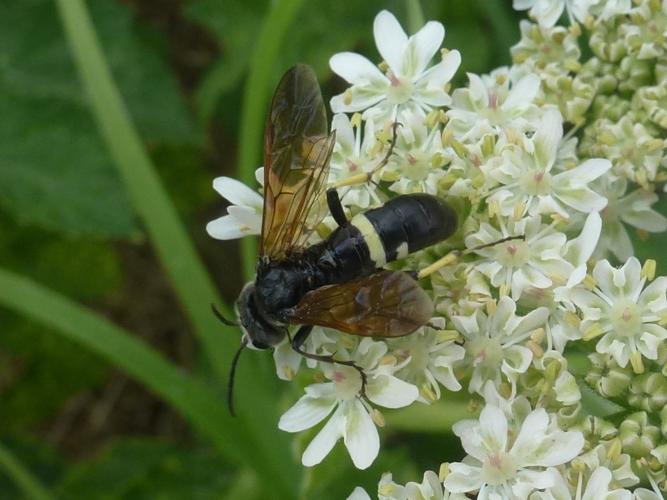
[384,304]
[297,149]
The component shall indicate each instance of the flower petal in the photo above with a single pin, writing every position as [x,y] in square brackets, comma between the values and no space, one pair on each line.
[390,39]
[361,436]
[325,440]
[306,412]
[237,193]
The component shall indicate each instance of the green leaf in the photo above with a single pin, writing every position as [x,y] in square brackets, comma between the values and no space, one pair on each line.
[21,476]
[54,171]
[50,151]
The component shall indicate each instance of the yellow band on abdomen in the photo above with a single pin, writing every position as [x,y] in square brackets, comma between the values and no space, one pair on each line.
[372,239]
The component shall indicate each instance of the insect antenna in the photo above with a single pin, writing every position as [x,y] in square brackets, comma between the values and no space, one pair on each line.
[222,319]
[232,373]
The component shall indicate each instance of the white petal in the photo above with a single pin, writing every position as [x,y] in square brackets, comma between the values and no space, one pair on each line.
[344,132]
[359,494]
[226,228]
[325,440]
[421,48]
[391,392]
[463,478]
[361,436]
[305,413]
[522,93]
[237,193]
[493,427]
[390,39]
[355,69]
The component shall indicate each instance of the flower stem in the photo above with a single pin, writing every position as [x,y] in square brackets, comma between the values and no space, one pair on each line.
[149,197]
[255,103]
[23,478]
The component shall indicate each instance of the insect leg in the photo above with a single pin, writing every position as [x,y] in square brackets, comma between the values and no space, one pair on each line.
[454,255]
[300,337]
[368,176]
[336,207]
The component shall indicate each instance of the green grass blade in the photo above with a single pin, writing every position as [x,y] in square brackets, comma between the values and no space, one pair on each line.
[415,16]
[255,103]
[149,197]
[23,478]
[204,408]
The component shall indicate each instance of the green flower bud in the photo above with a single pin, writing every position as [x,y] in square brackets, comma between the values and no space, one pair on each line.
[648,392]
[612,107]
[609,379]
[661,454]
[547,49]
[606,42]
[633,74]
[653,101]
[638,436]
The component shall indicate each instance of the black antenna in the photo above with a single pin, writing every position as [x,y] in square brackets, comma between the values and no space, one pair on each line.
[230,382]
[222,319]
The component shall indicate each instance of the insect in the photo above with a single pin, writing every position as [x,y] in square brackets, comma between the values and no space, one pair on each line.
[341,282]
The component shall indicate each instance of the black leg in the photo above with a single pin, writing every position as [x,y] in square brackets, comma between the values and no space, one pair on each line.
[335,207]
[301,336]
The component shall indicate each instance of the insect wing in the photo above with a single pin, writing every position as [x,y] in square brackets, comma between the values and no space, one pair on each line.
[384,304]
[297,149]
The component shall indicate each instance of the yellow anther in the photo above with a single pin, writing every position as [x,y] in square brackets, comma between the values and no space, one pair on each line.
[388,359]
[356,120]
[589,282]
[494,209]
[383,66]
[615,449]
[505,390]
[386,490]
[347,341]
[378,418]
[347,97]
[557,279]
[504,290]
[488,145]
[443,472]
[491,307]
[448,259]
[432,118]
[552,371]
[447,137]
[637,362]
[648,269]
[519,210]
[663,319]
[427,393]
[437,160]
[319,377]
[592,332]
[289,372]
[535,348]
[459,149]
[572,319]
[538,335]
[447,335]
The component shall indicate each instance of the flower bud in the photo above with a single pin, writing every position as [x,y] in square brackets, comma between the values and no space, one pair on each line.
[648,392]
[638,435]
[609,379]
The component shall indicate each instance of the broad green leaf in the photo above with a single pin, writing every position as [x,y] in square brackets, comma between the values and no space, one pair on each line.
[55,172]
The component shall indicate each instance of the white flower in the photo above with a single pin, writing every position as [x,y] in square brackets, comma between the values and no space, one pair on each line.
[534,262]
[416,165]
[490,105]
[351,418]
[597,488]
[633,209]
[288,361]
[626,314]
[430,362]
[407,84]
[547,12]
[529,184]
[359,494]
[243,217]
[492,342]
[355,155]
[509,463]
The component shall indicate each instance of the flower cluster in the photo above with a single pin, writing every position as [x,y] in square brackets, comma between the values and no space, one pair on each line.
[564,151]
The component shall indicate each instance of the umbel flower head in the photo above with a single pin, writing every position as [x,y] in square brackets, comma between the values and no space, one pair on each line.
[557,331]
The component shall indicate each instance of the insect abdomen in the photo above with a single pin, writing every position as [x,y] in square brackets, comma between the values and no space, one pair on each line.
[405,225]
